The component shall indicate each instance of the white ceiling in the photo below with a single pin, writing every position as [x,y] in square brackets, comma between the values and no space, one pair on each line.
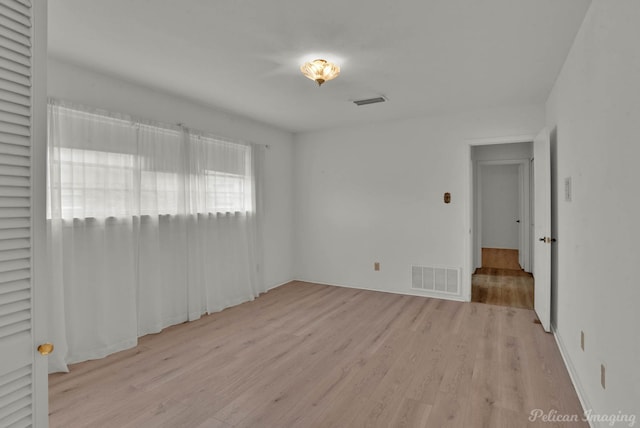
[243,56]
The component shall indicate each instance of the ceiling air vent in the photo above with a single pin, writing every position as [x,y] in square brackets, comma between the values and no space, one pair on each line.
[369,101]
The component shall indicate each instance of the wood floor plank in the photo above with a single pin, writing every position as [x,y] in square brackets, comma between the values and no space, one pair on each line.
[412,414]
[309,355]
[332,369]
[501,258]
[348,401]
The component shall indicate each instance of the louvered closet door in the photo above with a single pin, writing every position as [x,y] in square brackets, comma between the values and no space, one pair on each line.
[16,330]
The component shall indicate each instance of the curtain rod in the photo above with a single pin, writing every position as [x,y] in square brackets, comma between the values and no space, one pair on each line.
[144,121]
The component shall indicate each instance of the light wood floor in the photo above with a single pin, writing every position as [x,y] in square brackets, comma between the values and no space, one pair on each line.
[308,355]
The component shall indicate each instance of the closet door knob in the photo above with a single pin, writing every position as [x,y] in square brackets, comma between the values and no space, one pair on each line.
[45,348]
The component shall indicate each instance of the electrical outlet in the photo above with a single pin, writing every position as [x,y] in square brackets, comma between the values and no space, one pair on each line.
[582,340]
[602,376]
[376,266]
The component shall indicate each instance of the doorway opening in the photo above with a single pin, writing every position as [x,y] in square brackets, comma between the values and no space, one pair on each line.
[502,224]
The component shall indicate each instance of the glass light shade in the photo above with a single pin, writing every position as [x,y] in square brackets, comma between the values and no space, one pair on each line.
[320,70]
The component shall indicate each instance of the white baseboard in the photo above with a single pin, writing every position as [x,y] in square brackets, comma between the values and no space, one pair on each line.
[582,396]
[280,285]
[405,293]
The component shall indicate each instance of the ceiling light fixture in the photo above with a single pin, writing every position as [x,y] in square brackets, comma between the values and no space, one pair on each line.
[320,70]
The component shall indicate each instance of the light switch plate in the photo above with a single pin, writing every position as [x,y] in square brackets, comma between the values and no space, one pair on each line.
[567,189]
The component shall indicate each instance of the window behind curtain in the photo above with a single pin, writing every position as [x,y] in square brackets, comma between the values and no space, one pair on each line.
[226,172]
[101,166]
[96,184]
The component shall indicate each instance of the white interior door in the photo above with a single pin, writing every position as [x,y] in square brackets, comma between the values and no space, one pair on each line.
[521,238]
[542,228]
[23,382]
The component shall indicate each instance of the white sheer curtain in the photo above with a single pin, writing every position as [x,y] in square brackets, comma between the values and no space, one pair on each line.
[162,244]
[148,226]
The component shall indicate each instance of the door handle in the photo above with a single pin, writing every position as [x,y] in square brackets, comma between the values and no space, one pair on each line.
[547,240]
[45,348]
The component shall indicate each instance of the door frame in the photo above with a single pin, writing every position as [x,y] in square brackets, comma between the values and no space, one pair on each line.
[524,209]
[40,280]
[470,226]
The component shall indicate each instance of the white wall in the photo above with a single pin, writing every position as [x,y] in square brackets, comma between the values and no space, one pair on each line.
[72,83]
[500,202]
[375,193]
[595,106]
